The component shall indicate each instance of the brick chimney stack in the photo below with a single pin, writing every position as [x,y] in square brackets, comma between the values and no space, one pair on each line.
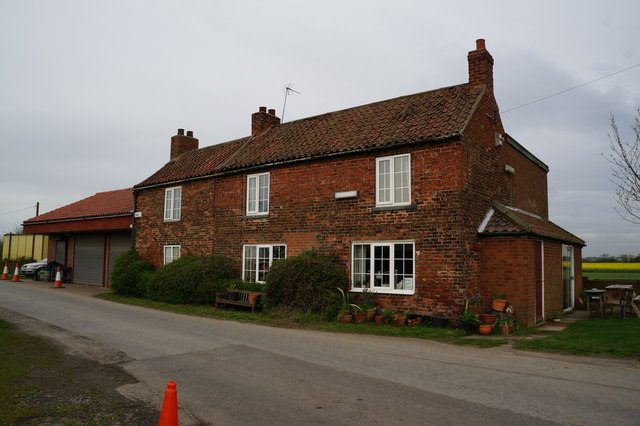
[181,143]
[262,120]
[480,66]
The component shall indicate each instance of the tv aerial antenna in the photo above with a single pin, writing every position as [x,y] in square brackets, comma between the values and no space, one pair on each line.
[287,90]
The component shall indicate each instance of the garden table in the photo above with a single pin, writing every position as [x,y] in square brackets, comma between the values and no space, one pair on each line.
[595,294]
[627,297]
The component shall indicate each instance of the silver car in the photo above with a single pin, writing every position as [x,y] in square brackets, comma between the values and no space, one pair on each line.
[33,268]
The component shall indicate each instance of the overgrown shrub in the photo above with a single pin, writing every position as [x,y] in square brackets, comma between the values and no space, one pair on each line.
[192,280]
[305,283]
[130,275]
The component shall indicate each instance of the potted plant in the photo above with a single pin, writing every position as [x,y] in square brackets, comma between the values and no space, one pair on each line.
[499,302]
[344,315]
[378,319]
[400,320]
[468,321]
[387,316]
[484,329]
[504,323]
[487,318]
[368,303]
[474,303]
[555,316]
[359,315]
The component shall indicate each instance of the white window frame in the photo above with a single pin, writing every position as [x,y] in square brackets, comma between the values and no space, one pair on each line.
[169,253]
[394,181]
[257,203]
[252,274]
[406,285]
[172,204]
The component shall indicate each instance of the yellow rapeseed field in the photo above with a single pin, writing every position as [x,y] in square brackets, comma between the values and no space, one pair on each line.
[620,267]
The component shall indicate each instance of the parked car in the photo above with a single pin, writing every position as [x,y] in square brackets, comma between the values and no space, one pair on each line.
[33,268]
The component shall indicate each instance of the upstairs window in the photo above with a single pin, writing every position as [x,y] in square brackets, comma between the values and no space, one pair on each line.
[257,260]
[383,267]
[172,201]
[393,180]
[258,194]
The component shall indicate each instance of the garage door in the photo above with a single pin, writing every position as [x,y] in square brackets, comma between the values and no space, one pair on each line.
[120,242]
[89,259]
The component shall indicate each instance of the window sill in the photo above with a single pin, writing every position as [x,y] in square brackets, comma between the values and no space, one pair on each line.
[171,220]
[256,216]
[393,208]
[384,291]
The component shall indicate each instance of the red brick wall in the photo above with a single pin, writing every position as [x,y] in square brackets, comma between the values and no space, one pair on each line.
[304,214]
[552,278]
[507,267]
[528,185]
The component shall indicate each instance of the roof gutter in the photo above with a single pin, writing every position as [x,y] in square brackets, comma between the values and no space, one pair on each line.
[529,235]
[76,219]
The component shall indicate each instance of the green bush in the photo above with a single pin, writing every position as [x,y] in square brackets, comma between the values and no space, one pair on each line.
[130,275]
[305,283]
[192,280]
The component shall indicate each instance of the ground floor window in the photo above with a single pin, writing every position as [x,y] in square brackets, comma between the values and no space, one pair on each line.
[258,258]
[384,267]
[171,253]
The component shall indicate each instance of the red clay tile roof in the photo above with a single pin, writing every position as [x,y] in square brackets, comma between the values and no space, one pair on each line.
[110,203]
[508,220]
[426,116]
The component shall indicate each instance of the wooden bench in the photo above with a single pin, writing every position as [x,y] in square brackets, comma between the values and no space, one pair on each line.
[245,298]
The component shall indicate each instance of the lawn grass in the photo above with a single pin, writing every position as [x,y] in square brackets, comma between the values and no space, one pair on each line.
[613,337]
[312,322]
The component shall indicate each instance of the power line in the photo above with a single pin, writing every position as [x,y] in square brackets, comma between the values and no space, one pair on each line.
[569,89]
[19,210]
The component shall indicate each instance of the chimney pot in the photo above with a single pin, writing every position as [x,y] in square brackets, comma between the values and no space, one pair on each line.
[480,44]
[272,111]
[262,109]
[181,143]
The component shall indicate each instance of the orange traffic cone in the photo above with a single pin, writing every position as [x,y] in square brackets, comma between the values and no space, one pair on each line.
[5,272]
[16,274]
[58,282]
[169,413]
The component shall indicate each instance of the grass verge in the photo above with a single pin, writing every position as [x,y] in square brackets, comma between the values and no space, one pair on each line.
[312,322]
[38,385]
[611,337]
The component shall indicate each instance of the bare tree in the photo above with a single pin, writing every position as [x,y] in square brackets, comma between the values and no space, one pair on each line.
[625,169]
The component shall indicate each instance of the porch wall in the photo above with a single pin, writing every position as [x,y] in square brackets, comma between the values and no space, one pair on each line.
[507,266]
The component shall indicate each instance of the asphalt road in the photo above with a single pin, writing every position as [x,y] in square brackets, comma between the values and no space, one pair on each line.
[230,373]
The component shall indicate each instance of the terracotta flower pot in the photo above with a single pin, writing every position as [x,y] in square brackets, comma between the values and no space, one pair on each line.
[488,318]
[498,305]
[484,329]
[401,321]
[505,330]
[378,319]
[360,317]
[345,318]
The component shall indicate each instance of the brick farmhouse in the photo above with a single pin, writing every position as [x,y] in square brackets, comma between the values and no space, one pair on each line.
[424,199]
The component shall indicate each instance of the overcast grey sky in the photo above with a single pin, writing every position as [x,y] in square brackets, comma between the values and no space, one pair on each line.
[92,91]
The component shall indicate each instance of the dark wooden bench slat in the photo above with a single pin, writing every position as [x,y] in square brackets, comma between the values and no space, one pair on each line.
[243,299]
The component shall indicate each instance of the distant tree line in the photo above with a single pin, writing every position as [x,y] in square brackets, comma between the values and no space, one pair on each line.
[607,258]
